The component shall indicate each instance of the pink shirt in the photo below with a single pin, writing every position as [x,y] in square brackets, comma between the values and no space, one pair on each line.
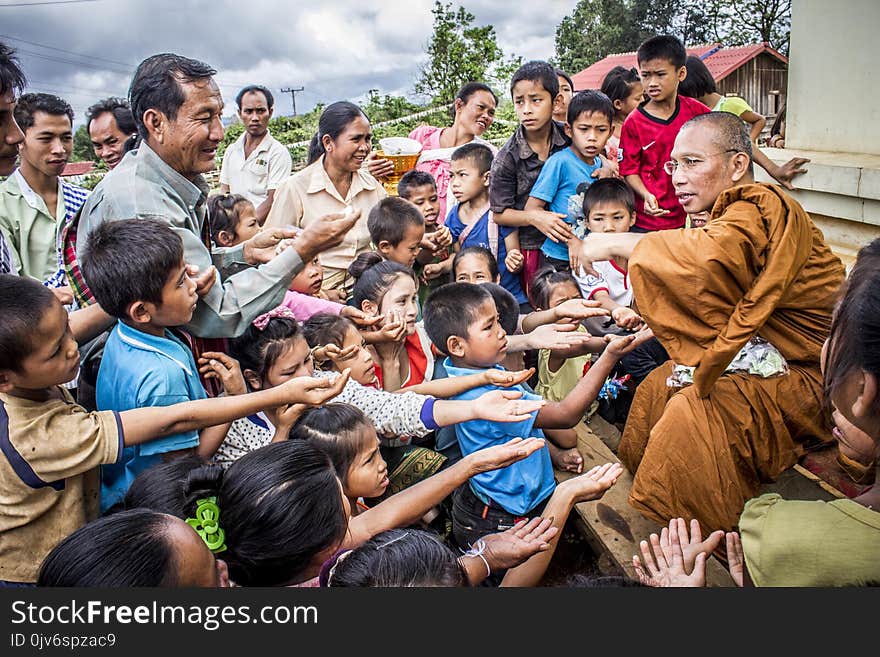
[304,306]
[435,160]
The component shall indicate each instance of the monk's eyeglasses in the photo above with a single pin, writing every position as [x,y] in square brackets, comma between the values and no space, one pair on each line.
[690,163]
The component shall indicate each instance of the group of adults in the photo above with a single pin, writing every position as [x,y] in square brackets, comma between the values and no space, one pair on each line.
[759,268]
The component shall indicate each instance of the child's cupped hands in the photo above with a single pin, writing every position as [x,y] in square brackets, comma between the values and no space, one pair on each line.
[224,368]
[627,318]
[620,346]
[312,391]
[505,378]
[512,547]
[593,483]
[333,352]
[576,309]
[505,406]
[500,456]
[392,330]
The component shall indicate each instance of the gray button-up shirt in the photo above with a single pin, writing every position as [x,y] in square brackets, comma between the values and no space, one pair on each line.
[143,185]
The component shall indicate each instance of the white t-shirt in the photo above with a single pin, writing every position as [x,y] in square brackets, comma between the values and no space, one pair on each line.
[267,167]
[612,279]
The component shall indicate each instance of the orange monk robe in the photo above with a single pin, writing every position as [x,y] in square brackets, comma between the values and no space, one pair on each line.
[760,267]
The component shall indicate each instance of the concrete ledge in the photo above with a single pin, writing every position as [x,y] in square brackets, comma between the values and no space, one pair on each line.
[840,185]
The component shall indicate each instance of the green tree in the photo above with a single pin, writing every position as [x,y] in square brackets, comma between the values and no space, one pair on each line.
[82,147]
[595,29]
[751,21]
[458,52]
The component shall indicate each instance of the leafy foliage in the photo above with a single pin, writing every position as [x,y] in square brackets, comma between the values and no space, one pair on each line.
[598,28]
[82,147]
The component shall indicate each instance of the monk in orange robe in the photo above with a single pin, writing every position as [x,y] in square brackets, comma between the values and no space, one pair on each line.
[760,267]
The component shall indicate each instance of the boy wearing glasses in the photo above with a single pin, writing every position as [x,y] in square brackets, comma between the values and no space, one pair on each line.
[649,132]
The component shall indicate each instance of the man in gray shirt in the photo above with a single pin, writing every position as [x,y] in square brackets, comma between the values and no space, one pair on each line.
[177,107]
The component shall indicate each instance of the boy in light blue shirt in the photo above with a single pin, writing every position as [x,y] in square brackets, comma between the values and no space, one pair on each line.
[590,114]
[136,271]
[462,321]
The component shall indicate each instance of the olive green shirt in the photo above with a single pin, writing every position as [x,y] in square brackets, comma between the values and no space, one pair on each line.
[144,186]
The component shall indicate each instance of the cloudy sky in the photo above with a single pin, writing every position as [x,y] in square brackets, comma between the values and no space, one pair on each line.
[84,50]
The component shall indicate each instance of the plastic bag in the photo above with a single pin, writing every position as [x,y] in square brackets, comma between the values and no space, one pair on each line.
[758,358]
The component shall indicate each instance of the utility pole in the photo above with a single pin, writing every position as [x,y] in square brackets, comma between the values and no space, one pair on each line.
[293,91]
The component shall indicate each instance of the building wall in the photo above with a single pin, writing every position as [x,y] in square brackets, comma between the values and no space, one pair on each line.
[834,77]
[755,80]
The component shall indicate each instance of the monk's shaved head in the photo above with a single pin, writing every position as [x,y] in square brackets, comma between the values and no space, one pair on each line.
[728,131]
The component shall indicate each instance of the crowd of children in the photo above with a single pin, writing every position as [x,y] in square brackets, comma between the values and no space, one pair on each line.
[390,387]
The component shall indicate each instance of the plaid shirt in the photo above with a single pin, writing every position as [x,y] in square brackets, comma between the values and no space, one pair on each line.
[7,264]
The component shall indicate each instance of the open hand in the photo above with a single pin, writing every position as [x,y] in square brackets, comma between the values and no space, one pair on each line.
[557,336]
[526,538]
[668,571]
[333,352]
[652,206]
[325,233]
[263,246]
[691,545]
[224,368]
[736,562]
[500,456]
[505,378]
[577,309]
[594,482]
[312,390]
[505,406]
[393,330]
[619,346]
[784,173]
[627,318]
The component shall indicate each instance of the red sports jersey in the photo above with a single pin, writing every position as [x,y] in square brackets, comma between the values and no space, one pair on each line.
[646,142]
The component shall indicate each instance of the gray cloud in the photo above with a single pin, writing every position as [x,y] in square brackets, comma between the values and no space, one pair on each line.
[336,50]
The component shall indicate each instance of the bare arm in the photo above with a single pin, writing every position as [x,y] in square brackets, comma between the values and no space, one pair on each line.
[224,188]
[568,412]
[409,505]
[263,208]
[88,323]
[756,124]
[142,424]
[456,385]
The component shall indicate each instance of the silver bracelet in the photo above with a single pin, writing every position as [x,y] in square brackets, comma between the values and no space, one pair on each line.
[477,550]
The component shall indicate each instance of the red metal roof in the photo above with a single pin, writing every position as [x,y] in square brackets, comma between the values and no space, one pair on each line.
[77,168]
[721,62]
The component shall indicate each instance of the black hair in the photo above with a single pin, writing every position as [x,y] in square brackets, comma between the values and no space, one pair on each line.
[398,558]
[480,156]
[119,108]
[776,128]
[23,303]
[729,132]
[374,280]
[326,328]
[157,85]
[543,282]
[481,252]
[125,549]
[411,180]
[699,81]
[537,71]
[565,76]
[450,311]
[663,46]
[12,78]
[609,190]
[29,104]
[336,430]
[257,350]
[854,339]
[281,505]
[618,83]
[130,260]
[390,218]
[507,305]
[174,487]
[590,102]
[333,122]
[255,88]
[464,94]
[223,210]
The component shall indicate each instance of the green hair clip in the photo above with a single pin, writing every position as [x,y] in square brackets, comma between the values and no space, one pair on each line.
[207,524]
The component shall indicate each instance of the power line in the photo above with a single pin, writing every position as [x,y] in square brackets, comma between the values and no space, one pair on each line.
[46,2]
[69,52]
[293,91]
